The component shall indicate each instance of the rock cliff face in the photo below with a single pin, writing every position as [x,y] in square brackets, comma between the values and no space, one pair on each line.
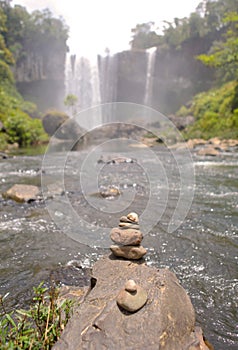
[162,79]
[40,79]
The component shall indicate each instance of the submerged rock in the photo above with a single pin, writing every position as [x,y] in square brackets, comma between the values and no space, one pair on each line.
[110,192]
[115,160]
[22,193]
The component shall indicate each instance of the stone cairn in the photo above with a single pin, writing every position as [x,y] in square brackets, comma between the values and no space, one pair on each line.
[128,237]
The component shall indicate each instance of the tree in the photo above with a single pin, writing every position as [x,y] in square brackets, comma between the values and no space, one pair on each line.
[71,101]
[223,55]
[144,36]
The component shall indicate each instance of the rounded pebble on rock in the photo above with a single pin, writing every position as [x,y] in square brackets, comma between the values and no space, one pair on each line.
[131,286]
[132,302]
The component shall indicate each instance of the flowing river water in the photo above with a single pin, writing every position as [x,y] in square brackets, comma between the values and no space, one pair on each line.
[202,251]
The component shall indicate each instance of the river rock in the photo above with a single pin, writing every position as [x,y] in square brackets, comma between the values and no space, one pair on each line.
[109,192]
[166,322]
[128,251]
[62,126]
[126,237]
[22,193]
[193,143]
[3,155]
[208,151]
[133,300]
[115,160]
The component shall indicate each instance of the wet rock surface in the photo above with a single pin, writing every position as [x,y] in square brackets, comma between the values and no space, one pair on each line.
[208,151]
[22,193]
[166,321]
[132,297]
[128,251]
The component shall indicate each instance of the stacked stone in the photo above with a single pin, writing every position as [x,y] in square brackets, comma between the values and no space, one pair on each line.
[128,238]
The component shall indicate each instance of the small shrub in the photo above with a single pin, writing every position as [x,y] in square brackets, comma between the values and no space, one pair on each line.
[37,328]
[213,114]
[23,129]
[183,112]
[3,141]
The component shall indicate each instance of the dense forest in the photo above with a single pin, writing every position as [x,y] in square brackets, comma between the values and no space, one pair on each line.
[23,35]
[213,27]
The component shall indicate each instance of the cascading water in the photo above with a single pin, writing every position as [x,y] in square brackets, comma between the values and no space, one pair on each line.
[93,81]
[151,55]
[82,80]
[108,78]
[108,82]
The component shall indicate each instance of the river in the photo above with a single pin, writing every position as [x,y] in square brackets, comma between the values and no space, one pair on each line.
[202,251]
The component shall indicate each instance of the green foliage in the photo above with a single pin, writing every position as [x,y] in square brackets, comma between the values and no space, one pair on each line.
[183,112]
[23,129]
[6,75]
[213,113]
[38,32]
[37,328]
[205,22]
[3,141]
[144,36]
[71,101]
[22,34]
[223,54]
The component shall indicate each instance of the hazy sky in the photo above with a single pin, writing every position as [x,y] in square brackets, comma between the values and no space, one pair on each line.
[97,24]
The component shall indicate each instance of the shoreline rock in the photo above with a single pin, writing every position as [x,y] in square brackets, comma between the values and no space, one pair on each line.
[166,321]
[22,193]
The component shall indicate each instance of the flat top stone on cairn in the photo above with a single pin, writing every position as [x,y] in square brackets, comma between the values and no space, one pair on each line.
[128,238]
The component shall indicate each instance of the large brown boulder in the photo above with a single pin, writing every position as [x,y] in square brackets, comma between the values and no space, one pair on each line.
[165,322]
[59,125]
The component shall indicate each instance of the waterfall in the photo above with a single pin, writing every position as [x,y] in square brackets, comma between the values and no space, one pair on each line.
[108,82]
[108,78]
[151,54]
[82,80]
[94,82]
